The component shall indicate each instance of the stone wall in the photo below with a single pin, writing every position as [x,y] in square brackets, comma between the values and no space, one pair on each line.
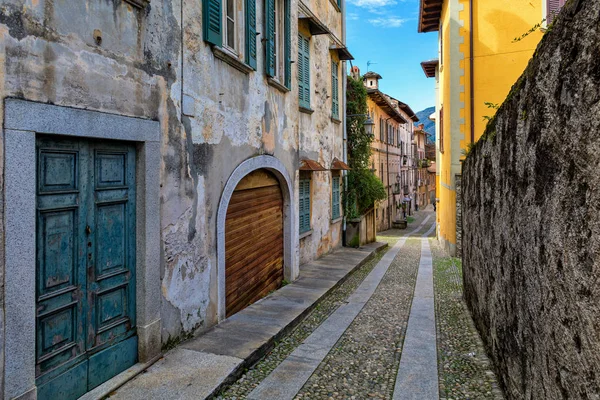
[531,219]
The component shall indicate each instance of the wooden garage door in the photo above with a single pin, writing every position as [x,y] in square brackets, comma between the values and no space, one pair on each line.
[253,241]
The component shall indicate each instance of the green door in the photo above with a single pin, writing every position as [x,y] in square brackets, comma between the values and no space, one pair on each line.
[85,290]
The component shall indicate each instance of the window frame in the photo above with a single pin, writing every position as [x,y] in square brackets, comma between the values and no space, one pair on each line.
[335,90]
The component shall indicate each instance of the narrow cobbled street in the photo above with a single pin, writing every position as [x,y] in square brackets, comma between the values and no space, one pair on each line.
[397,328]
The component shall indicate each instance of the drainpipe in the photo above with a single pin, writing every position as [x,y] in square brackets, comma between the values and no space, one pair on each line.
[472,73]
[344,126]
[387,163]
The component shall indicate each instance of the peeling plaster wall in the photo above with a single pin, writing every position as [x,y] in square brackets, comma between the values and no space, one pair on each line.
[320,139]
[153,63]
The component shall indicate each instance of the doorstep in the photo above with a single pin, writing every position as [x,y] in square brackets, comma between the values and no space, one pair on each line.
[199,368]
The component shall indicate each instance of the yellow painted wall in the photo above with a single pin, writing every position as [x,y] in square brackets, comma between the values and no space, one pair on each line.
[498,63]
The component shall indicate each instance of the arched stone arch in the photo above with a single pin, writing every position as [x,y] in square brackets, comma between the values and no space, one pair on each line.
[290,258]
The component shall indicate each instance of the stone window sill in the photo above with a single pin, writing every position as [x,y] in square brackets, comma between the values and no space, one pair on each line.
[306,110]
[336,121]
[338,219]
[305,234]
[232,60]
[275,83]
[138,3]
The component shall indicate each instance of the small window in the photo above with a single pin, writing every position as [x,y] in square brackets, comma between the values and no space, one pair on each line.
[335,199]
[230,24]
[441,129]
[304,205]
[335,107]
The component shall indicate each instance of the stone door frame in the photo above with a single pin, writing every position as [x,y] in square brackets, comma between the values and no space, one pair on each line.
[290,227]
[23,120]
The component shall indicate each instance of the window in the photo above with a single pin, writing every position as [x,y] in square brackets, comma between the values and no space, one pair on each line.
[335,102]
[223,25]
[230,24]
[335,199]
[278,44]
[552,9]
[382,173]
[441,129]
[304,205]
[304,71]
[381,133]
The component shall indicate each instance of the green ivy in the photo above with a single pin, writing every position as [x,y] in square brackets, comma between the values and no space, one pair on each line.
[363,187]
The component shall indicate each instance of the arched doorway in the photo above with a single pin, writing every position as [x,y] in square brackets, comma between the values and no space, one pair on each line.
[254,240]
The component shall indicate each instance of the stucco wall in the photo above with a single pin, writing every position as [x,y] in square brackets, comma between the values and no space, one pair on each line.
[153,63]
[320,138]
[531,221]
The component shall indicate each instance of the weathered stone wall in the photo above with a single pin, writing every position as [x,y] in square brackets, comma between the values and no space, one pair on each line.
[531,219]
[152,62]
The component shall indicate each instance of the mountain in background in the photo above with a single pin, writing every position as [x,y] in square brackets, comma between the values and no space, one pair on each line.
[423,116]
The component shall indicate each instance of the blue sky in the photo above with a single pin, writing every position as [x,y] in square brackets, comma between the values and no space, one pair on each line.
[385,33]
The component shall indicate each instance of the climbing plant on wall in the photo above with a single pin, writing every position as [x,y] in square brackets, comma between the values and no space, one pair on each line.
[363,187]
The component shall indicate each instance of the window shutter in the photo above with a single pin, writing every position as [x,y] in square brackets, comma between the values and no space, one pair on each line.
[288,44]
[334,91]
[303,71]
[335,207]
[211,21]
[270,37]
[251,33]
[304,205]
[552,9]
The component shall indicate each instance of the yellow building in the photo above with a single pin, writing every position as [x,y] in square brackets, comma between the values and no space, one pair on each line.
[479,59]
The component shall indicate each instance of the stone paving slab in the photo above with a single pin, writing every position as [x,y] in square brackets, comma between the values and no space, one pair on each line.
[417,377]
[183,374]
[201,366]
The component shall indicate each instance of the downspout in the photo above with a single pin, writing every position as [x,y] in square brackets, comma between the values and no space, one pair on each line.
[387,164]
[471,72]
[344,126]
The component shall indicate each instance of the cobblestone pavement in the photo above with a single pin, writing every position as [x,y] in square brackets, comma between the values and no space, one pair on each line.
[464,370]
[363,364]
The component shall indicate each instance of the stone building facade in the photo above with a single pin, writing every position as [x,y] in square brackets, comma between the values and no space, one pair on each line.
[140,140]
[392,156]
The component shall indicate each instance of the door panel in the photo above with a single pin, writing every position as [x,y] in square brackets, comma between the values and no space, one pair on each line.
[86,264]
[60,254]
[111,287]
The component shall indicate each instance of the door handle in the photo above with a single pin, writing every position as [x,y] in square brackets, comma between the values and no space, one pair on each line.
[88,230]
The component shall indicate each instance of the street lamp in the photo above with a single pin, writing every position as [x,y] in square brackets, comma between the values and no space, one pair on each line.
[369,126]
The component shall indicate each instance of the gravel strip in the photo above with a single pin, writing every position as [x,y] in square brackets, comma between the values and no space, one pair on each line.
[464,369]
[252,378]
[364,362]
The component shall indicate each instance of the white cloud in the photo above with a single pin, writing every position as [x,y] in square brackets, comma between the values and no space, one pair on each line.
[388,22]
[373,3]
[353,16]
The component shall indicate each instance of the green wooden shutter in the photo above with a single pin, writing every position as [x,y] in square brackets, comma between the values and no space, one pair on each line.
[270,37]
[211,21]
[335,108]
[304,71]
[288,44]
[304,206]
[251,33]
[335,203]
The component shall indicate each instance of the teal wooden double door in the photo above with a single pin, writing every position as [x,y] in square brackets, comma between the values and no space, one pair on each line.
[85,289]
